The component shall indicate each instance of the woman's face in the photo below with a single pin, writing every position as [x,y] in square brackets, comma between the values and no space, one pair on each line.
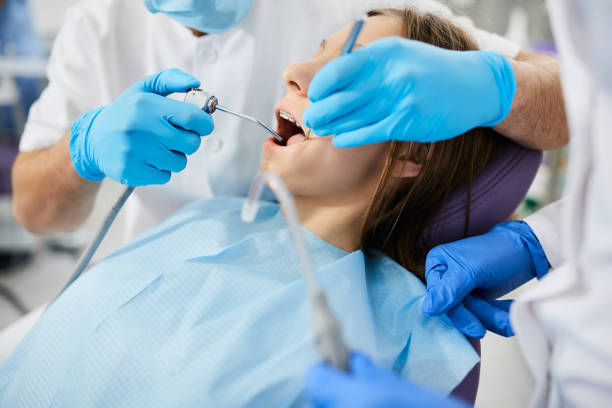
[314,167]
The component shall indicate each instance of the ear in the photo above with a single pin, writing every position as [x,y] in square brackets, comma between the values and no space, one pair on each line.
[410,161]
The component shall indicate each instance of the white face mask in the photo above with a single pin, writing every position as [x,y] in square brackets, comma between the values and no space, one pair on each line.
[207,16]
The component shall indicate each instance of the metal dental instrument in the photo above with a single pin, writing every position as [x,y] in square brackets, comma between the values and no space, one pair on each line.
[210,104]
[348,46]
[354,34]
[328,333]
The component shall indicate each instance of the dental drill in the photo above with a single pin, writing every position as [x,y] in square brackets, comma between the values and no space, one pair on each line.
[202,100]
[328,332]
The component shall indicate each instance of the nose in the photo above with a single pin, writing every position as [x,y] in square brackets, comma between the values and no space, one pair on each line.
[298,77]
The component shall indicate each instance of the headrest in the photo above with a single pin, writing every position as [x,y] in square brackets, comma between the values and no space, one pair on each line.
[496,193]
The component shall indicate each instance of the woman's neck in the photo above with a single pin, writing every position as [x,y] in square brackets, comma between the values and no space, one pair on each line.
[334,221]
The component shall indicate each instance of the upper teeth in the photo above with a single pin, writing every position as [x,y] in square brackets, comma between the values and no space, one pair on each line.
[287,116]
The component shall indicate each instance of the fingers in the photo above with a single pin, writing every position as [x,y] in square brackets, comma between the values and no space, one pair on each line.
[188,117]
[319,115]
[166,82]
[180,140]
[345,112]
[448,282]
[362,367]
[466,321]
[493,314]
[337,74]
[144,175]
[374,133]
[323,384]
[161,158]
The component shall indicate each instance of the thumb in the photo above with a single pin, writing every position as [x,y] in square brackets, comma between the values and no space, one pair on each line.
[323,383]
[166,82]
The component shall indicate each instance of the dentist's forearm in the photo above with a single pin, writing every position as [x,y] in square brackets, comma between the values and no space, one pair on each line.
[537,118]
[48,194]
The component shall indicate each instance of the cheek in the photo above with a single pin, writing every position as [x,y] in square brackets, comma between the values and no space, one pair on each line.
[350,167]
[318,168]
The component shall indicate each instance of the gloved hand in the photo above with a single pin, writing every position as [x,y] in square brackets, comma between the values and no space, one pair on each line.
[399,89]
[491,265]
[142,136]
[368,386]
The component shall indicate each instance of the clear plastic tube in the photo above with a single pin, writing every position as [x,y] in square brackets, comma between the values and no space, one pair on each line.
[328,332]
[251,207]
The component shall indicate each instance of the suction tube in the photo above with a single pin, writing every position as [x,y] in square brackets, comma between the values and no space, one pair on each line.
[328,333]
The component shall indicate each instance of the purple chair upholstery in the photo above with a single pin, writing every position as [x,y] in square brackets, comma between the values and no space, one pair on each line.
[468,388]
[7,157]
[496,193]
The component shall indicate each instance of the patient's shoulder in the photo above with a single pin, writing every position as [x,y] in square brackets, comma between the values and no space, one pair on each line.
[384,274]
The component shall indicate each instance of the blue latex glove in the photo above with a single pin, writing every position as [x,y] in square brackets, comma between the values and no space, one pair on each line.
[141,137]
[399,89]
[490,266]
[368,386]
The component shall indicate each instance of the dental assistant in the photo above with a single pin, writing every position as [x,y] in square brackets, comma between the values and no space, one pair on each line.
[562,324]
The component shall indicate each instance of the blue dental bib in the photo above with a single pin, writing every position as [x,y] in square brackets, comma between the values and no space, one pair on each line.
[205,310]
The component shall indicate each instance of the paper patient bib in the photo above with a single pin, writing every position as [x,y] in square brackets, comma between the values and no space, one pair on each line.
[205,310]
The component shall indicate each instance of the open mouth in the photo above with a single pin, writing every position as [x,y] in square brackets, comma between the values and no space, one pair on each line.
[289,129]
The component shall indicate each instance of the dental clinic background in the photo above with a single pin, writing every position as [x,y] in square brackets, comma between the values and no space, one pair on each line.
[33,269]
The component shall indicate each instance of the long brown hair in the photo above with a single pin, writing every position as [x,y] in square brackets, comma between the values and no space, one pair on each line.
[400,211]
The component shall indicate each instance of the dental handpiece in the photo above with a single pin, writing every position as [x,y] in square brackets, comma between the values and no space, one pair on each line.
[348,47]
[210,104]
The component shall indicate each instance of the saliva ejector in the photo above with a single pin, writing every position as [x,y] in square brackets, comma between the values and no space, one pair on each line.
[327,330]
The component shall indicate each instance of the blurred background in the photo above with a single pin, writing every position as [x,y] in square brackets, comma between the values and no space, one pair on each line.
[33,269]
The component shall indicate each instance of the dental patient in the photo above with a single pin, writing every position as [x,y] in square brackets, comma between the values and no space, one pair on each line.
[205,310]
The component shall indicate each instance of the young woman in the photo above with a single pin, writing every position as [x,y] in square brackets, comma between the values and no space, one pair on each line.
[205,310]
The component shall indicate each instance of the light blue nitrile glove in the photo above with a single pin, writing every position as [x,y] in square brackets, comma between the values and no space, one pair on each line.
[465,277]
[368,386]
[399,89]
[141,137]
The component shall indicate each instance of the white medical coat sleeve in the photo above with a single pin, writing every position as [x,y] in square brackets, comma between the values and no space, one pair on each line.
[546,224]
[74,82]
[563,324]
[494,42]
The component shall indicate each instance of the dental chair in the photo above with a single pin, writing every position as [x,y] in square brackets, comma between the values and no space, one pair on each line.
[495,195]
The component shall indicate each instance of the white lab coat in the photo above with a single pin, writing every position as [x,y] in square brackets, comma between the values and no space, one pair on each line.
[563,324]
[106,45]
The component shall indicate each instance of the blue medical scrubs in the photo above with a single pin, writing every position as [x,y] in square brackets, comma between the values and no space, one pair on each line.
[18,38]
